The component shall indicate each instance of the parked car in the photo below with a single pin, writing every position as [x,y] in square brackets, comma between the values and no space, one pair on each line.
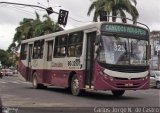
[7,72]
[155,79]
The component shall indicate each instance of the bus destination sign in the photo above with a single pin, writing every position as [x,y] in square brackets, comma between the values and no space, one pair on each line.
[119,28]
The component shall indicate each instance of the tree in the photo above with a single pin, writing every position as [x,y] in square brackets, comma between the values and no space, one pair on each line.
[30,28]
[11,46]
[114,8]
[5,58]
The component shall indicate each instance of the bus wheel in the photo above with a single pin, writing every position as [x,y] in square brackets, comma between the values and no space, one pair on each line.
[118,93]
[35,83]
[75,86]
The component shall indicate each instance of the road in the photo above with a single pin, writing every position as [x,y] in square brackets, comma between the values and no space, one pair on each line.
[20,94]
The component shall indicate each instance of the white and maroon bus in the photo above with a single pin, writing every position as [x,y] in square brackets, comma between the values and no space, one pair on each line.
[100,56]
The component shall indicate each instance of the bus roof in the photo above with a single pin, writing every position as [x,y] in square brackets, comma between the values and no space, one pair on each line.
[95,25]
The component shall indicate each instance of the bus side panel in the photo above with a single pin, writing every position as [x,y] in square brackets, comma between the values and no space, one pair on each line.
[40,73]
[99,83]
[60,78]
[81,78]
[48,77]
[22,68]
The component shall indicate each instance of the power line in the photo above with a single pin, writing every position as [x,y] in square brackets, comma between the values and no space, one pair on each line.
[26,5]
[22,10]
[79,20]
[36,6]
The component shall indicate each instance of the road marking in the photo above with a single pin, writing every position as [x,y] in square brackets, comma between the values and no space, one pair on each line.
[2,82]
[25,82]
[14,82]
[149,93]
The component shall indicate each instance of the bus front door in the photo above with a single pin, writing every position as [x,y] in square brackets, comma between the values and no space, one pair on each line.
[89,59]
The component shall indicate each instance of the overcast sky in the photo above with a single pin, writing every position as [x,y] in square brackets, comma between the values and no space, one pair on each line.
[11,15]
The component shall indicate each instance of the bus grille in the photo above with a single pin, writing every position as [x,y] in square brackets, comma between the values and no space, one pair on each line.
[117,78]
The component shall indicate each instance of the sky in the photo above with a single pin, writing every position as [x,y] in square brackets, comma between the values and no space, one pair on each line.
[11,15]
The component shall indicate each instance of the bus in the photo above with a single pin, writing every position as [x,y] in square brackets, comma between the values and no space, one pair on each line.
[99,56]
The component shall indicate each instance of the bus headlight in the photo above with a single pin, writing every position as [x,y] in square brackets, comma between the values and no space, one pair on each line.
[106,76]
[145,78]
[111,78]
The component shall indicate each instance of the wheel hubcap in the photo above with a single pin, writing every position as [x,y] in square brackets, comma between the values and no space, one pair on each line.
[34,82]
[76,84]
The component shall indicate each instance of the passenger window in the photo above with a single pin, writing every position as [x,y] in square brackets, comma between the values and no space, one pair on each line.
[71,51]
[61,46]
[23,53]
[69,45]
[41,49]
[36,49]
[75,44]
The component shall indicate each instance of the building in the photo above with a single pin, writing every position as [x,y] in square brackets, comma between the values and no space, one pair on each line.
[155,49]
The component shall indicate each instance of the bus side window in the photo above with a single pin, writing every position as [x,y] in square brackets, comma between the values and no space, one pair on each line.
[23,54]
[36,49]
[78,50]
[41,49]
[71,51]
[61,46]
[75,43]
[57,52]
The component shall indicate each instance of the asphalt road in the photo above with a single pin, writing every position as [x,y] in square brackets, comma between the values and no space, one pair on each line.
[17,94]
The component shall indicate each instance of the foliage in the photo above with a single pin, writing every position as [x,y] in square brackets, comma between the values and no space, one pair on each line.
[114,8]
[29,28]
[5,58]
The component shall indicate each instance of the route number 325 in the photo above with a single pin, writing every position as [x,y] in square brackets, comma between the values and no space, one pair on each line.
[118,47]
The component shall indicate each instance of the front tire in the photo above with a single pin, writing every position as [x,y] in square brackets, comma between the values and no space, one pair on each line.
[118,93]
[35,83]
[75,89]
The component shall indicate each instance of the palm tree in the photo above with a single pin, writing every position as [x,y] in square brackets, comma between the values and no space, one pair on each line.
[48,26]
[23,31]
[98,6]
[114,8]
[37,26]
[30,28]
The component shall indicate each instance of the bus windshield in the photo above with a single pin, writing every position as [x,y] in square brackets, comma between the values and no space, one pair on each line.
[122,51]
